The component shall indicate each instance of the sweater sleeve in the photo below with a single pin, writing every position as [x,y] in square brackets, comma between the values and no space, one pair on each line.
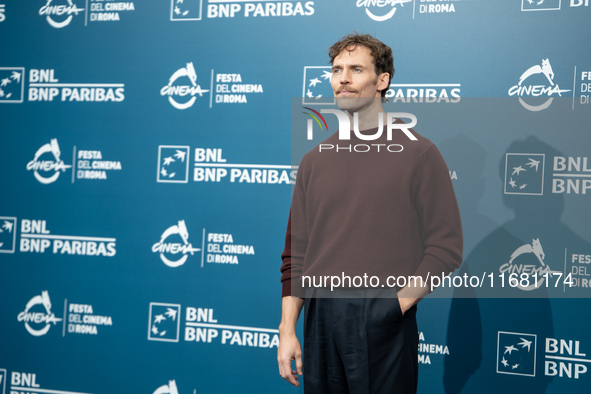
[439,216]
[296,238]
[286,265]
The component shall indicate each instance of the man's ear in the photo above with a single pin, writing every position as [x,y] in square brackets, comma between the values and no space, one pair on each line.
[383,79]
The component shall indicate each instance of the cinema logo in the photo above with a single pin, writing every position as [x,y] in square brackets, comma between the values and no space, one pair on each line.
[528,260]
[59,15]
[382,10]
[48,171]
[220,247]
[169,388]
[180,94]
[171,249]
[516,355]
[541,84]
[37,315]
[36,238]
[201,325]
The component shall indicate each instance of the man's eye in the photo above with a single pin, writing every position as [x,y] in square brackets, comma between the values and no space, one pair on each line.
[336,71]
[357,70]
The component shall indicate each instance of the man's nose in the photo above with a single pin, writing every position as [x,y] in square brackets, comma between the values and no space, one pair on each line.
[345,77]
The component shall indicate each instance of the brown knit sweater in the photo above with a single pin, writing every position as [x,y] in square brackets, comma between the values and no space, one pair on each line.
[374,213]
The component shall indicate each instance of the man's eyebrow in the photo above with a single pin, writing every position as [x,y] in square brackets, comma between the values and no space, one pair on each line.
[350,66]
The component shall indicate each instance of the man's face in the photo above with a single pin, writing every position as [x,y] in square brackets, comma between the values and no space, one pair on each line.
[354,76]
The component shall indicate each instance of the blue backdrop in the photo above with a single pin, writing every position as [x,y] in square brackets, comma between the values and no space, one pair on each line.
[146,171]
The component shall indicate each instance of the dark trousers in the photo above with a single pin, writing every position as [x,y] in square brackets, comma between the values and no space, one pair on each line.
[359,346]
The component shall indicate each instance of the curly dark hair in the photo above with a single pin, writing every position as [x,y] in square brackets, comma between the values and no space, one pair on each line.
[381,53]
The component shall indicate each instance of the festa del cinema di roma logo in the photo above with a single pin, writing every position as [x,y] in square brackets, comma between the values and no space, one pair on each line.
[47,171]
[220,247]
[177,93]
[173,248]
[38,323]
[169,388]
[91,165]
[382,6]
[540,89]
[59,15]
[524,266]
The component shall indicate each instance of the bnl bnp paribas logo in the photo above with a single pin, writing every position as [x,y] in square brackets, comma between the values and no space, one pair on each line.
[12,86]
[7,234]
[550,5]
[201,325]
[45,86]
[191,10]
[210,165]
[516,353]
[317,89]
[563,358]
[536,83]
[524,174]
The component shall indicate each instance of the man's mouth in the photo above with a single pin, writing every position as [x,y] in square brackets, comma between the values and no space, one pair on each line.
[346,92]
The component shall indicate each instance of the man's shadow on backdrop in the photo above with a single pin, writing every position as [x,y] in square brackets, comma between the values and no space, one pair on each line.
[481,359]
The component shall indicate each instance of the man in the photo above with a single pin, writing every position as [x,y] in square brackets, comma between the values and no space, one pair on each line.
[388,212]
